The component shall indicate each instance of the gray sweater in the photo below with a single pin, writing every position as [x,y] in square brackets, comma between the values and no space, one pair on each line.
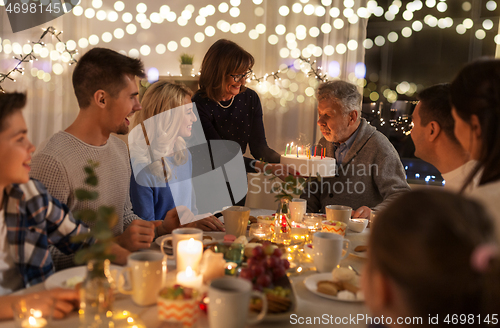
[59,166]
[371,174]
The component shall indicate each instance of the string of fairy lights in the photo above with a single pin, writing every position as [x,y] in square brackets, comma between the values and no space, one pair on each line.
[349,14]
[30,55]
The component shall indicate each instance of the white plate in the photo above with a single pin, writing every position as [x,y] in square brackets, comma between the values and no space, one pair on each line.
[59,278]
[311,283]
[359,254]
[214,239]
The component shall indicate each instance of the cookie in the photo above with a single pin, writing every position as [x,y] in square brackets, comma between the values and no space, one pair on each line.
[361,248]
[328,287]
[275,304]
[350,287]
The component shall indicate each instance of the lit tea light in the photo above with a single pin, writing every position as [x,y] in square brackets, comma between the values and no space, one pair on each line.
[231,268]
[189,278]
[34,322]
[300,234]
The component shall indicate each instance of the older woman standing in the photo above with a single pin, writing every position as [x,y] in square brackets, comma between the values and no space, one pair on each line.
[228,110]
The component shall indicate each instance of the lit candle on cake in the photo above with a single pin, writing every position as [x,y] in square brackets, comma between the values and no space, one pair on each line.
[314,151]
[189,254]
[286,149]
[189,278]
[298,149]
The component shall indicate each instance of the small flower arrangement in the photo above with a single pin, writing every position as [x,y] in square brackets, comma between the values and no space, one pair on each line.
[293,185]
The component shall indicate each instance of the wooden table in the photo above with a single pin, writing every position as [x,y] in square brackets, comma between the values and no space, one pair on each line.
[309,305]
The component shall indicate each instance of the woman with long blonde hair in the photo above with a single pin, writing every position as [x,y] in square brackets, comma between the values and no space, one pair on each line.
[161,164]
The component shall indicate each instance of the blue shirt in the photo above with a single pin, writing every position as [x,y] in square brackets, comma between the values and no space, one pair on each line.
[35,220]
[341,149]
[152,197]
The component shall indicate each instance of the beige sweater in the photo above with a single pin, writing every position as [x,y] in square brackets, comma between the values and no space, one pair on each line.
[59,166]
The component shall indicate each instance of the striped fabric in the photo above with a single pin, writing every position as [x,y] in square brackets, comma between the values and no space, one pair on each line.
[35,220]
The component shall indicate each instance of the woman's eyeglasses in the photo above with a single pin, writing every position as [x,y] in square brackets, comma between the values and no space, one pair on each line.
[239,77]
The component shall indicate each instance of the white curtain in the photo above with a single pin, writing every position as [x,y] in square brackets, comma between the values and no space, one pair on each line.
[288,110]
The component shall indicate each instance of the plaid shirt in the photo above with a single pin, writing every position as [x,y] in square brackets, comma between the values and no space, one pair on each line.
[34,221]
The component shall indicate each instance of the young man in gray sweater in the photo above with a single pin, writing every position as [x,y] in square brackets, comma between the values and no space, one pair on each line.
[369,173]
[106,90]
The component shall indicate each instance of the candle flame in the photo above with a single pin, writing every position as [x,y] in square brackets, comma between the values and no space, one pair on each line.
[191,243]
[32,321]
[189,271]
[37,314]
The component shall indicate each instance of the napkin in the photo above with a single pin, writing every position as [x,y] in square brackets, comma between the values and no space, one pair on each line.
[212,265]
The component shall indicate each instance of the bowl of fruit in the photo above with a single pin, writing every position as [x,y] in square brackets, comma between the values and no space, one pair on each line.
[178,304]
[266,270]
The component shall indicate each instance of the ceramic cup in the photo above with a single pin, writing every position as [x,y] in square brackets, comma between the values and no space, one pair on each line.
[236,220]
[338,213]
[327,250]
[229,303]
[147,275]
[181,234]
[298,208]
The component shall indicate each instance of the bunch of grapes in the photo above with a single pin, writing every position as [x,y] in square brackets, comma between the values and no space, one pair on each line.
[265,266]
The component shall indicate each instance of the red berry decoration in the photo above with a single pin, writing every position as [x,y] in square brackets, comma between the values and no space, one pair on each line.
[258,252]
[264,280]
[286,264]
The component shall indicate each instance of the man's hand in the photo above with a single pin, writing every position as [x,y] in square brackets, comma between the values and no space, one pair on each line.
[65,301]
[120,253]
[138,235]
[362,213]
[210,223]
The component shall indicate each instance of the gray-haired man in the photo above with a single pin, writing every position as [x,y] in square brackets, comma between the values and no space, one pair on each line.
[370,173]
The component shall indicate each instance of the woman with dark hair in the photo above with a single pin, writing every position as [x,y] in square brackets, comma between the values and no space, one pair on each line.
[475,98]
[228,110]
[439,261]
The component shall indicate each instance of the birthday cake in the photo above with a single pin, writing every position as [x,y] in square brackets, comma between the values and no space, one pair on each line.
[325,166]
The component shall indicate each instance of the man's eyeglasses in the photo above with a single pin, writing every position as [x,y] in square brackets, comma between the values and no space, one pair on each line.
[239,77]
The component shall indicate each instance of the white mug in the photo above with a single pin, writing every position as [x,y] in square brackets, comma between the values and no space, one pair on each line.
[338,213]
[229,303]
[181,234]
[148,273]
[327,250]
[298,208]
[236,220]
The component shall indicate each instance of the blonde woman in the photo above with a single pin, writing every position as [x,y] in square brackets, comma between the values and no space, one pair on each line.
[160,186]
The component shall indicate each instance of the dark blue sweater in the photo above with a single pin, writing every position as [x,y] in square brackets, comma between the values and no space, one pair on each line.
[152,200]
[241,122]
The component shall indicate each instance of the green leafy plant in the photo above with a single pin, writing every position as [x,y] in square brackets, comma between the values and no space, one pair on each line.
[186,59]
[104,219]
[293,185]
